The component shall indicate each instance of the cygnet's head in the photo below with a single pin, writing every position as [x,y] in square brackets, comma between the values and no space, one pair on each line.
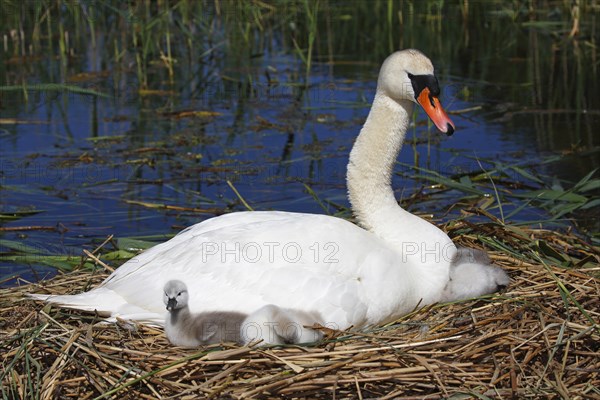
[409,75]
[175,295]
[472,274]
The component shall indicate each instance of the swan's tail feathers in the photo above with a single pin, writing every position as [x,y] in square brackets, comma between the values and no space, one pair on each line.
[106,303]
[103,301]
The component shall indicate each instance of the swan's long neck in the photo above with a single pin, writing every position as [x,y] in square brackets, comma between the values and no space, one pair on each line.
[370,170]
[371,164]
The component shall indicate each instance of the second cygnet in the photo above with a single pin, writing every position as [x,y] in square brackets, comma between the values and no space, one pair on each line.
[271,324]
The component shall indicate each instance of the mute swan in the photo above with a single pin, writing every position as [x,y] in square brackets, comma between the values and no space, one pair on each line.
[192,330]
[351,276]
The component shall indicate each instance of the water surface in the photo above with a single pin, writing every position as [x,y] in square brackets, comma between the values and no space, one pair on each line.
[158,151]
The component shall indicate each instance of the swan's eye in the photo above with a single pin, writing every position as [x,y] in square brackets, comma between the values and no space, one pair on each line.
[179,294]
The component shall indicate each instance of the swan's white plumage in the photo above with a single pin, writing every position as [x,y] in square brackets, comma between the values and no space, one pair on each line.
[376,274]
[343,289]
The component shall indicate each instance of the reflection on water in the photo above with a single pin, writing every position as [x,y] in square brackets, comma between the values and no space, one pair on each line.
[226,96]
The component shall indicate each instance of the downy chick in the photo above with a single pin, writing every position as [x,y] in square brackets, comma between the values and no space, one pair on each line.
[191,330]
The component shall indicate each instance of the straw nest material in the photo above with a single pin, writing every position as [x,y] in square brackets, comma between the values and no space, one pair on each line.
[538,339]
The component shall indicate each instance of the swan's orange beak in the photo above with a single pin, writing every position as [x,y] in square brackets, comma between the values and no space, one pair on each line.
[433,108]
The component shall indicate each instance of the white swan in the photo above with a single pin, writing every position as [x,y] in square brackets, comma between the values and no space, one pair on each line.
[312,263]
[186,329]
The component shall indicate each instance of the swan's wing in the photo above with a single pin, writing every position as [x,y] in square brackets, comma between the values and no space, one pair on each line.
[242,261]
[293,260]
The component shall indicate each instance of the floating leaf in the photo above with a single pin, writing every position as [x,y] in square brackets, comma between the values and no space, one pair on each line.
[118,255]
[15,215]
[65,263]
[134,245]
[452,184]
[19,246]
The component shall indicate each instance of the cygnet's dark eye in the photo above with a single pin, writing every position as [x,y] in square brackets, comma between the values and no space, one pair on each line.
[179,294]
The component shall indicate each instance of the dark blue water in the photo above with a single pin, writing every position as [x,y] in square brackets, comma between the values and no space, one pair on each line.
[132,164]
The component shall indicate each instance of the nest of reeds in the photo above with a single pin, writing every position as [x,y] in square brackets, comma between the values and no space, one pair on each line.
[538,339]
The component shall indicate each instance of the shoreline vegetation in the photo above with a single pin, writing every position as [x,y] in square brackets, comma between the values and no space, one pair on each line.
[193,67]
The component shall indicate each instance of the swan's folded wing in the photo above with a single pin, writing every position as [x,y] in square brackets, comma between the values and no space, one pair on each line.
[243,261]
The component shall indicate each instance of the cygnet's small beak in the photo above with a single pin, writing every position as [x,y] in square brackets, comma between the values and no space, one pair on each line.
[432,106]
[171,304]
